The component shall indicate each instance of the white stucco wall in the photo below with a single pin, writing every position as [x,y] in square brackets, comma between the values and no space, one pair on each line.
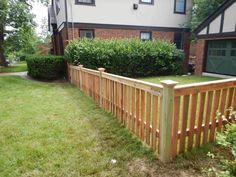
[215,25]
[121,12]
[204,31]
[230,19]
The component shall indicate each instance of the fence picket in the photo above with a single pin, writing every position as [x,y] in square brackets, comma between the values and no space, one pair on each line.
[154,121]
[207,117]
[148,115]
[192,120]
[200,119]
[214,116]
[222,109]
[184,123]
[176,126]
[142,114]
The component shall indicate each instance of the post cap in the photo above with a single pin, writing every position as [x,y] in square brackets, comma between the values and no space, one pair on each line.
[169,83]
[101,69]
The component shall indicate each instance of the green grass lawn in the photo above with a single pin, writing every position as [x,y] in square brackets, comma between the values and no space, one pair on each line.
[185,79]
[50,129]
[19,67]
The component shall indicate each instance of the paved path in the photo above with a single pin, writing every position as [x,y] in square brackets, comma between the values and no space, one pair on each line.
[21,74]
[25,76]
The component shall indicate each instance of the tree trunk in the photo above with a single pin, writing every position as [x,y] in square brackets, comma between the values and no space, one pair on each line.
[2,56]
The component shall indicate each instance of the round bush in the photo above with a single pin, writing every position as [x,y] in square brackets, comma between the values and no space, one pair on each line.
[46,67]
[127,57]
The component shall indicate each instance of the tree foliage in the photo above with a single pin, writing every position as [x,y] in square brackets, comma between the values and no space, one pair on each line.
[16,22]
[202,9]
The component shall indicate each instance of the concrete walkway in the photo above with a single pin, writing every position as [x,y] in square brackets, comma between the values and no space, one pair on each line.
[21,74]
[25,76]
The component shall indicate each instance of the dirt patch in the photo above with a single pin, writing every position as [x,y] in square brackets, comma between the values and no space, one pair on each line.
[193,165]
[157,169]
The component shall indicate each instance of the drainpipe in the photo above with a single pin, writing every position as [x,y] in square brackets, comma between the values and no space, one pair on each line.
[67,31]
[72,20]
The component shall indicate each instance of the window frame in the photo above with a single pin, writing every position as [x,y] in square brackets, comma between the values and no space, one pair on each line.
[147,3]
[140,34]
[84,3]
[92,30]
[176,12]
[181,47]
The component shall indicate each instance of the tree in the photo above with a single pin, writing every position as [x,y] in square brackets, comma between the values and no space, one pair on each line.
[23,41]
[15,15]
[45,34]
[202,9]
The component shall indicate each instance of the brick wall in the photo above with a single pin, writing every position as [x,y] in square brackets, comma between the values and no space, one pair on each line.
[200,49]
[121,33]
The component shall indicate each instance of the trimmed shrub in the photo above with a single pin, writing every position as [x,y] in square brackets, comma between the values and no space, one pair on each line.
[46,67]
[127,57]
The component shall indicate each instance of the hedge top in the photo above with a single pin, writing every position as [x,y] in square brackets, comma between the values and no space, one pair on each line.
[128,57]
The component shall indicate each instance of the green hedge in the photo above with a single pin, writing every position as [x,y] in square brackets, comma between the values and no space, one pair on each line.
[46,67]
[127,57]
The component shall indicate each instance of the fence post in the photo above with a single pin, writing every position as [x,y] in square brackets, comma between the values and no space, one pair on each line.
[101,70]
[80,76]
[166,120]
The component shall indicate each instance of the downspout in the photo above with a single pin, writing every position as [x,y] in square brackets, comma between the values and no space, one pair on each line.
[67,31]
[72,20]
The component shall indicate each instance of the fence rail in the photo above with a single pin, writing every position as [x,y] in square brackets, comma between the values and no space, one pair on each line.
[168,118]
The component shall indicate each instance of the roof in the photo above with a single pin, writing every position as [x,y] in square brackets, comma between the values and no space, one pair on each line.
[214,15]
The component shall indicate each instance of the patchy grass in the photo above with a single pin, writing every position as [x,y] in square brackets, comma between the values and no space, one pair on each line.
[19,67]
[185,79]
[50,129]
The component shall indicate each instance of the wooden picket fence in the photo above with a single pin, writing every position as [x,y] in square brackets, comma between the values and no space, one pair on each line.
[169,119]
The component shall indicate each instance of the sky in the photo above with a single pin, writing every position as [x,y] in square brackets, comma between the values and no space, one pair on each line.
[41,12]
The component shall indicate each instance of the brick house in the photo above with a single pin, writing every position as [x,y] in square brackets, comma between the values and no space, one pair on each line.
[216,45]
[144,19]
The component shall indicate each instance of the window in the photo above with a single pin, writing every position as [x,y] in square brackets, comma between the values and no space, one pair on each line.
[178,40]
[146,1]
[85,2]
[180,6]
[144,36]
[86,34]
[233,53]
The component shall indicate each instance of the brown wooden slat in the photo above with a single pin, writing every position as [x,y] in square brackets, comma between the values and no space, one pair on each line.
[184,122]
[133,110]
[142,114]
[124,104]
[137,113]
[234,99]
[154,121]
[214,114]
[175,125]
[110,96]
[208,117]
[148,116]
[129,108]
[120,101]
[229,101]
[192,120]
[200,118]
[222,108]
